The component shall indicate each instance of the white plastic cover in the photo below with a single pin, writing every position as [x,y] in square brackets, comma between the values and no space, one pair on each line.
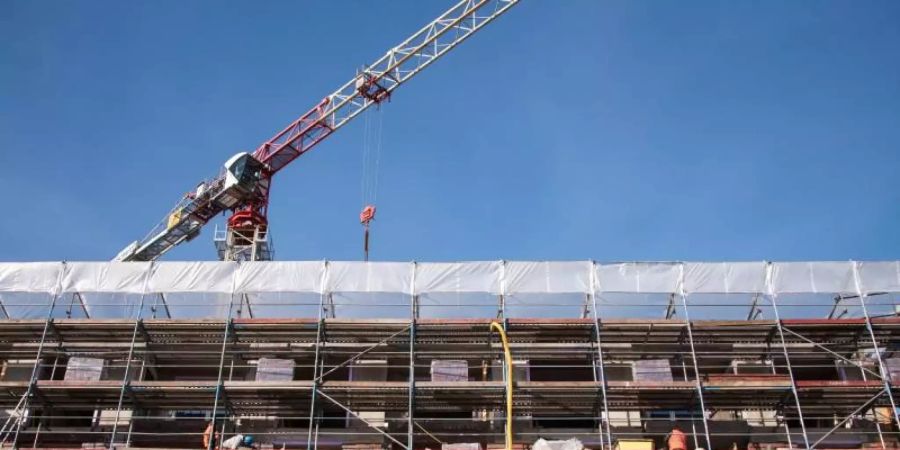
[355,276]
[725,277]
[106,277]
[282,276]
[880,276]
[39,277]
[482,276]
[639,277]
[197,276]
[547,277]
[570,444]
[202,288]
[813,277]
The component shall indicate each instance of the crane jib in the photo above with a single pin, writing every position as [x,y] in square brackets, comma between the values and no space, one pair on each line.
[370,86]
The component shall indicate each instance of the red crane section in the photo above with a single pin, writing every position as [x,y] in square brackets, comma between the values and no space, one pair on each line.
[246,182]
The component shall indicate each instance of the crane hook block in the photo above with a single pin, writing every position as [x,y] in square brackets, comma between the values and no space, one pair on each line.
[367,214]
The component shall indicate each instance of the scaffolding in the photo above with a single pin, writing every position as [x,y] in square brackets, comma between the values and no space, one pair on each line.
[401,355]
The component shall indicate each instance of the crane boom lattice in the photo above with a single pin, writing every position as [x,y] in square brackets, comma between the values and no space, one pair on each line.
[243,187]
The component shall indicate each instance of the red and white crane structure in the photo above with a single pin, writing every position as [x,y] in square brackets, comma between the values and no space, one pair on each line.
[243,187]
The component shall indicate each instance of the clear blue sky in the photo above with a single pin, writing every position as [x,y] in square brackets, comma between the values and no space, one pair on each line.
[607,130]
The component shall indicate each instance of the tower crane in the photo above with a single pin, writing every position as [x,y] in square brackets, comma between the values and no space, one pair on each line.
[244,184]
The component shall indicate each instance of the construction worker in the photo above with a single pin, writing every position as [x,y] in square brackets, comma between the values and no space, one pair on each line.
[676,440]
[209,434]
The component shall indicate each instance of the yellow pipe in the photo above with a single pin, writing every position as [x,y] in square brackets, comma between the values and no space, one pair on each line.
[509,383]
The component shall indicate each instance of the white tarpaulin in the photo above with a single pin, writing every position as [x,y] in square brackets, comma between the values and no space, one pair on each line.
[128,278]
[813,277]
[197,276]
[37,277]
[639,277]
[280,276]
[879,276]
[547,277]
[203,288]
[355,276]
[725,277]
[483,276]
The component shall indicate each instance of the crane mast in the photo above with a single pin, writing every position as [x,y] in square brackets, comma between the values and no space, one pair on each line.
[243,187]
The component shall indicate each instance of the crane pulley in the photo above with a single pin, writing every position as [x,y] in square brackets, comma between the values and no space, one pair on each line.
[244,185]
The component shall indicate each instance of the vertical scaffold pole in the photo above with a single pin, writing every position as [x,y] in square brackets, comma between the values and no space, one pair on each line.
[507,366]
[48,322]
[877,425]
[229,329]
[320,325]
[604,419]
[787,358]
[698,382]
[685,378]
[413,315]
[885,373]
[138,323]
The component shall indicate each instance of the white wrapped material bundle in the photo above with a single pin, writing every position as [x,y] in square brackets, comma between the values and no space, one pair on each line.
[462,446]
[108,418]
[449,370]
[570,444]
[273,369]
[652,370]
[84,369]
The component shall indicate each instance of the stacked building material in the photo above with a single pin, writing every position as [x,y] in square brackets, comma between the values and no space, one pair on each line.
[751,367]
[760,417]
[361,447]
[634,444]
[107,417]
[502,446]
[273,369]
[657,370]
[450,370]
[462,446]
[84,369]
[623,418]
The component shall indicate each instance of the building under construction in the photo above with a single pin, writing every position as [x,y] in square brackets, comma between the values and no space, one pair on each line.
[356,355]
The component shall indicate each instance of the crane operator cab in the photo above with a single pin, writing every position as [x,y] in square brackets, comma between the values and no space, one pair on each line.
[243,173]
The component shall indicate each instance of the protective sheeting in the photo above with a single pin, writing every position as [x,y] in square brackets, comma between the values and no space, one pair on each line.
[36,277]
[481,276]
[354,276]
[638,277]
[106,277]
[548,277]
[288,276]
[209,289]
[813,277]
[196,276]
[725,278]
[879,276]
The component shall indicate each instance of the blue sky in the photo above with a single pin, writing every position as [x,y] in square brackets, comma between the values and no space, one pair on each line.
[607,130]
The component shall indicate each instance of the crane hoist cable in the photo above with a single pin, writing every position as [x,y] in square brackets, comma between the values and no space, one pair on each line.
[371,165]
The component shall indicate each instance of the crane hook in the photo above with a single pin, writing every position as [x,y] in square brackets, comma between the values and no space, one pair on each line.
[365,216]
